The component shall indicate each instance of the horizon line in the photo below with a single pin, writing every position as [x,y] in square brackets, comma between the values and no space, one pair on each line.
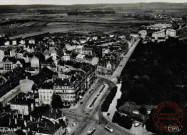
[92,4]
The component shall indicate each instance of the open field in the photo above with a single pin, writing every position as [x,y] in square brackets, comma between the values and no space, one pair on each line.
[22,21]
[76,24]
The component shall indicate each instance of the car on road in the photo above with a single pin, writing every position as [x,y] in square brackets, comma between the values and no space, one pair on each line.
[109,128]
[136,124]
[90,132]
[74,124]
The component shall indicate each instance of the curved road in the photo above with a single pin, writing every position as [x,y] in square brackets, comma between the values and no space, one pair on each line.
[93,117]
[86,118]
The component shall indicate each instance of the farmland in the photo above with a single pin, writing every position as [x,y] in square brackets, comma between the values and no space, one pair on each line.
[22,21]
[79,25]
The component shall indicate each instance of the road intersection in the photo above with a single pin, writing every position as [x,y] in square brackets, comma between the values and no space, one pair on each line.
[87,112]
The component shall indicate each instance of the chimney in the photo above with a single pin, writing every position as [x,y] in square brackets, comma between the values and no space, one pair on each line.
[30,117]
[38,127]
[32,106]
[25,123]
[9,121]
[15,120]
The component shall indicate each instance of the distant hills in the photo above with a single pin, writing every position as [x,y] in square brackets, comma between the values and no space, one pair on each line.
[90,5]
[131,6]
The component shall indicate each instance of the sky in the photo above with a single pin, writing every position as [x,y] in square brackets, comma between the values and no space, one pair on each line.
[71,2]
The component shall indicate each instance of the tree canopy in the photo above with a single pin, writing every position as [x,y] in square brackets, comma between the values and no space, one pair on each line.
[56,102]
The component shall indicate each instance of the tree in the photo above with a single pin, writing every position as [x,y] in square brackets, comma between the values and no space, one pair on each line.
[39,111]
[19,132]
[108,100]
[56,102]
[143,110]
[139,94]
[151,127]
[34,87]
[123,121]
[168,72]
[185,118]
[1,106]
[30,133]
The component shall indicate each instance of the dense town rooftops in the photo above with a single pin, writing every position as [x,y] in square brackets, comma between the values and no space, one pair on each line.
[30,46]
[61,63]
[19,50]
[62,82]
[30,55]
[2,80]
[86,68]
[10,59]
[89,57]
[159,26]
[44,74]
[53,113]
[21,99]
[74,78]
[48,61]
[87,48]
[7,52]
[13,73]
[45,126]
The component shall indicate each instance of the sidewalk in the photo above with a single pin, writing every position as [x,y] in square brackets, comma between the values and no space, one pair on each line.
[117,73]
[114,80]
[85,95]
[71,127]
[112,108]
[122,64]
[133,131]
[119,69]
[98,96]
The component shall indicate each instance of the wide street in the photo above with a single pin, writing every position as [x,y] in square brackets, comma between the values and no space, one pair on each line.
[124,61]
[87,119]
[87,115]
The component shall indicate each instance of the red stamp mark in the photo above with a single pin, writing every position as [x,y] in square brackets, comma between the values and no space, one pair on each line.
[168,116]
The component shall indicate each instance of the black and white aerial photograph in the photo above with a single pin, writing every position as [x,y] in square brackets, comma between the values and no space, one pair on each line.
[99,67]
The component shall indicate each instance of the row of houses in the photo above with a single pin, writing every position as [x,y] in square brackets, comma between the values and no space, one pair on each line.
[10,80]
[25,116]
[70,82]
[61,65]
[35,54]
[19,41]
[162,33]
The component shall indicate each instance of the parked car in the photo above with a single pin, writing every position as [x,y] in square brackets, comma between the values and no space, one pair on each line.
[90,132]
[109,128]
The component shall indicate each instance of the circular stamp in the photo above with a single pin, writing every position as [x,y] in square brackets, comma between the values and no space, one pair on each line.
[168,116]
